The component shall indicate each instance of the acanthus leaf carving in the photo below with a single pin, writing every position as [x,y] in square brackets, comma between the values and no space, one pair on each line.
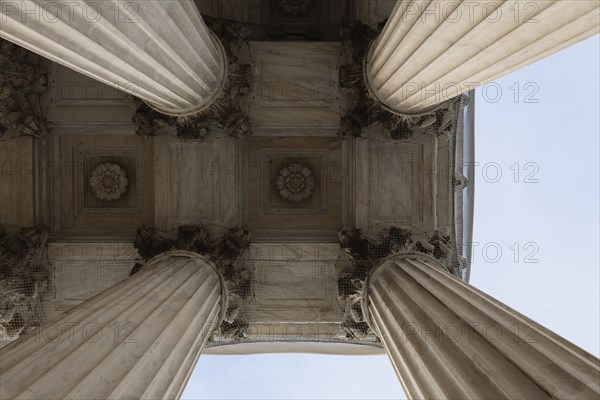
[147,121]
[225,112]
[365,110]
[224,252]
[361,253]
[20,83]
[24,280]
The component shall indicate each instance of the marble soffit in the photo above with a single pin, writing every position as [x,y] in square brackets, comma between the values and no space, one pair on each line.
[295,89]
[294,296]
[294,188]
[295,111]
[312,347]
[290,20]
[294,299]
[93,186]
[285,292]
[296,15]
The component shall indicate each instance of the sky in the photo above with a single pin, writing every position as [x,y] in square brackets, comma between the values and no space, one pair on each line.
[536,232]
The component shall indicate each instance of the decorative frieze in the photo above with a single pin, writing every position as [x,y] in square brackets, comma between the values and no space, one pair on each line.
[20,82]
[224,251]
[365,110]
[225,111]
[23,281]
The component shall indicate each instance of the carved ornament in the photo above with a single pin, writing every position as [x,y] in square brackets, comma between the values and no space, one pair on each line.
[295,182]
[225,112]
[24,279]
[108,181]
[362,253]
[223,251]
[20,82]
[365,110]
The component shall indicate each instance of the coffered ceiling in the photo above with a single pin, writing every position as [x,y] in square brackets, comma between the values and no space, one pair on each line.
[294,181]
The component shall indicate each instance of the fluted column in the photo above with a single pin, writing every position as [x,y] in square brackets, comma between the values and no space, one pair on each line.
[139,339]
[430,51]
[446,339]
[159,51]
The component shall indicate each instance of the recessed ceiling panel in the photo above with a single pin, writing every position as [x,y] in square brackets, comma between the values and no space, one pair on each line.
[295,188]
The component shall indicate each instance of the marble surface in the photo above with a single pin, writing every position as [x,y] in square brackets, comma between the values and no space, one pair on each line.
[82,270]
[293,283]
[16,181]
[296,86]
[270,216]
[72,146]
[195,182]
[401,183]
[74,98]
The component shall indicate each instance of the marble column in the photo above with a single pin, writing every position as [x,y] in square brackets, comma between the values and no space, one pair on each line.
[448,340]
[159,51]
[139,339]
[430,51]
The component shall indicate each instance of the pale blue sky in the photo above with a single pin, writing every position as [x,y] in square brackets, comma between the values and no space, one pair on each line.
[557,217]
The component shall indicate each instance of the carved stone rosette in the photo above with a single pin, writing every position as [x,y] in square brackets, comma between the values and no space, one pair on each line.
[295,182]
[365,110]
[23,281]
[108,181]
[20,80]
[362,253]
[225,112]
[224,252]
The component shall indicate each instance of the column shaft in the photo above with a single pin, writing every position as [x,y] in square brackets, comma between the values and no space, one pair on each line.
[430,51]
[159,51]
[447,339]
[139,339]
